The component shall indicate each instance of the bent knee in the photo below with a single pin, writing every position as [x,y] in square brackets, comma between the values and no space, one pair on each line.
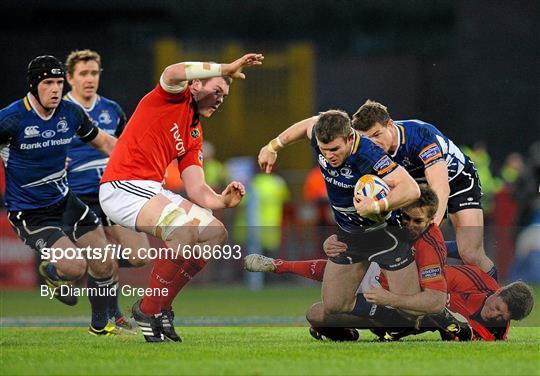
[336,307]
[102,269]
[73,270]
[315,314]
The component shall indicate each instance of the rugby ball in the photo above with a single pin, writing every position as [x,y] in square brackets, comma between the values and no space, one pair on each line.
[375,188]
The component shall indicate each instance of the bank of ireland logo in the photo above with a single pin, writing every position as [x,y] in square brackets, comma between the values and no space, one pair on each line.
[31,131]
[62,126]
[104,118]
[48,133]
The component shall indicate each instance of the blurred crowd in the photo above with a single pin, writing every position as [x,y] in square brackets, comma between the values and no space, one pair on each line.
[511,205]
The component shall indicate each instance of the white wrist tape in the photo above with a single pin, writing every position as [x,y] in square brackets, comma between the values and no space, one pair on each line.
[200,71]
[173,89]
[280,144]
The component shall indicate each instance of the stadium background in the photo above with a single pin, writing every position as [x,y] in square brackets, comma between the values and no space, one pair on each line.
[469,67]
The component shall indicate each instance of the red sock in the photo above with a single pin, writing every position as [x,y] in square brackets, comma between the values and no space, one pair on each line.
[161,277]
[185,273]
[312,269]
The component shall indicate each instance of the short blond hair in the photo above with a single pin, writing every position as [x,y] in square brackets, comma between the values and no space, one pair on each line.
[81,55]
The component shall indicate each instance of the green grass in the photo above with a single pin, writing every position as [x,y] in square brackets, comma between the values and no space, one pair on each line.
[246,350]
[259,351]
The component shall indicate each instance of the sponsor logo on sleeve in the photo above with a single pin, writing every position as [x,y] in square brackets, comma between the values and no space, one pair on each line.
[430,153]
[384,165]
[430,272]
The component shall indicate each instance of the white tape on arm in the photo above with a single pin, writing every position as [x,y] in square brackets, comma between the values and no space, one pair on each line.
[173,89]
[201,71]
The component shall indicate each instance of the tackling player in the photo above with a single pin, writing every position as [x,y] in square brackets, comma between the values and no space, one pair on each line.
[35,134]
[344,156]
[487,306]
[165,126]
[86,164]
[429,156]
[430,257]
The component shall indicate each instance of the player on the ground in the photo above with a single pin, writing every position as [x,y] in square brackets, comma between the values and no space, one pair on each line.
[430,257]
[429,156]
[487,306]
[35,134]
[472,293]
[344,156]
[86,164]
[165,126]
[478,297]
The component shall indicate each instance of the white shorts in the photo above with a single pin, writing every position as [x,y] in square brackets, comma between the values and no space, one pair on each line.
[371,279]
[122,200]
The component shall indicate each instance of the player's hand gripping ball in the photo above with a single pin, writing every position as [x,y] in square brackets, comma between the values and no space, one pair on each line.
[375,188]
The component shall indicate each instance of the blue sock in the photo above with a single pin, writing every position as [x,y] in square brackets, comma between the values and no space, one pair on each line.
[100,298]
[51,272]
[114,309]
[452,248]
[493,273]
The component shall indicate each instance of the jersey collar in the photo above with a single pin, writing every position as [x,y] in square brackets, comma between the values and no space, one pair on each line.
[89,109]
[36,111]
[400,139]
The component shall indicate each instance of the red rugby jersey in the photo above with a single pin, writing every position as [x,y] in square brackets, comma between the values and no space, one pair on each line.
[430,257]
[164,127]
[468,288]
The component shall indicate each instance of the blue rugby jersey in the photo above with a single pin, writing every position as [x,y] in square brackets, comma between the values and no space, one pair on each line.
[34,151]
[87,163]
[365,158]
[420,145]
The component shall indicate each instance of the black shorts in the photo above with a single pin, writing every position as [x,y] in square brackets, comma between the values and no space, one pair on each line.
[92,200]
[41,228]
[388,246]
[465,190]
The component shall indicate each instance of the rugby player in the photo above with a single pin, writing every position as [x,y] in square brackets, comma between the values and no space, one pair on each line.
[35,133]
[427,243]
[344,156]
[86,164]
[429,156]
[478,297]
[165,127]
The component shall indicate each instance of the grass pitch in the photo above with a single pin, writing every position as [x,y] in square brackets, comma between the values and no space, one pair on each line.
[245,350]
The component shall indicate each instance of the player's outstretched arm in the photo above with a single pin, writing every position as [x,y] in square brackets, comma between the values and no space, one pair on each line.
[203,195]
[296,132]
[174,75]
